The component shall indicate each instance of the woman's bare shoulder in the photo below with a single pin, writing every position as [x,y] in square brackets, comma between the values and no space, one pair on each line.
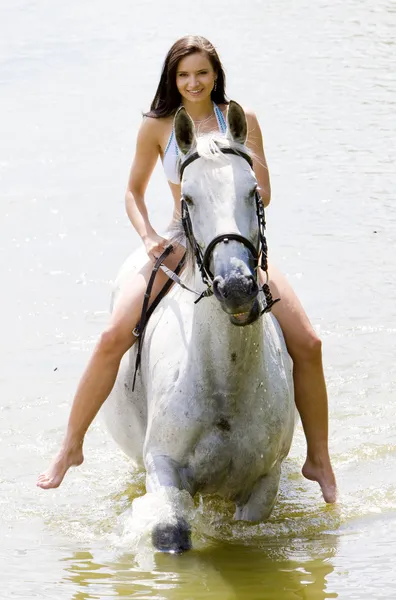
[252,122]
[250,114]
[151,126]
[156,129]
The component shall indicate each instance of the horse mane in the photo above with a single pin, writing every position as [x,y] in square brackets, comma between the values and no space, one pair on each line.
[208,147]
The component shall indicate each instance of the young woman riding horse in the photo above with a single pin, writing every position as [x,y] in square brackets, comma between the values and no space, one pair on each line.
[193,77]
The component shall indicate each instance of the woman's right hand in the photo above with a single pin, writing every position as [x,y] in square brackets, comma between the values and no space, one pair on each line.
[155,245]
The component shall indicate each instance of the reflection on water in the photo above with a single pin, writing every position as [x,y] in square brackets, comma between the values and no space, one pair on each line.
[84,572]
[289,557]
[215,571]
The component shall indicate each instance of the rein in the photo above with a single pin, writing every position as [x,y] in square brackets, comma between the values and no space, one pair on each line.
[147,310]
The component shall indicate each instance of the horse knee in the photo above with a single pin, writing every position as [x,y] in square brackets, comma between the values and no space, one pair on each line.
[113,342]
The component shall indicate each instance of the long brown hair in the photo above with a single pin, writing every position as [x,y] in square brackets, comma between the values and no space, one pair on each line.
[167,97]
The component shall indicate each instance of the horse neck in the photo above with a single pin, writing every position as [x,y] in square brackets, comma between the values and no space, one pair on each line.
[224,352]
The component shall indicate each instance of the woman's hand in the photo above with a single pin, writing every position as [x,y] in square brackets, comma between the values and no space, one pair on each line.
[155,245]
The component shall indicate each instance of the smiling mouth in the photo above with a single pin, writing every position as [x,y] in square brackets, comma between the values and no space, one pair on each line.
[195,92]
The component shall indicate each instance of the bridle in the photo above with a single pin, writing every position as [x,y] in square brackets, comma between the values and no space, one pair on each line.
[203,259]
[260,254]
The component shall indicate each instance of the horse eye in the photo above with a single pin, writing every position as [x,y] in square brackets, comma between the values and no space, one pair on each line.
[251,194]
[188,200]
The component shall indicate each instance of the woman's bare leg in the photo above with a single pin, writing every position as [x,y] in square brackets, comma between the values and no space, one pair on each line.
[100,374]
[309,383]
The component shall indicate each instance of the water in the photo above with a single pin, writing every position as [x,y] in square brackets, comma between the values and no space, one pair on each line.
[74,79]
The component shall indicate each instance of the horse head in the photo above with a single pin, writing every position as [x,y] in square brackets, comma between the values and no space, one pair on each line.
[220,210]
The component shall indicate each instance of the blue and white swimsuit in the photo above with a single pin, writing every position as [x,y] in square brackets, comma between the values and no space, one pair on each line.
[171,153]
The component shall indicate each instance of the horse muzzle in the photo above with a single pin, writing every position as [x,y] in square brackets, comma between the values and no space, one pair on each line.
[237,294]
[247,318]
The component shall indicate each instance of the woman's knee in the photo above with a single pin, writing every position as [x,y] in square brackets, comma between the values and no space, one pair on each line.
[308,348]
[115,341]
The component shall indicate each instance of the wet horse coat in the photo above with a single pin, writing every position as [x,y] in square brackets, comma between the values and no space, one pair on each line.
[213,408]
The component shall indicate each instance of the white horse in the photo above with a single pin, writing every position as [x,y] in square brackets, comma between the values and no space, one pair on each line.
[213,408]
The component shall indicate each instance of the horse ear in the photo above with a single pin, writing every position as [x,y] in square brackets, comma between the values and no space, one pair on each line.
[236,123]
[184,130]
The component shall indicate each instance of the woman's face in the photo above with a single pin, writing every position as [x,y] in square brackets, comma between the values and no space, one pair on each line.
[195,77]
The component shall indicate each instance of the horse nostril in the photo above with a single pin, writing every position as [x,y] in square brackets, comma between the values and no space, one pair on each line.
[251,286]
[218,287]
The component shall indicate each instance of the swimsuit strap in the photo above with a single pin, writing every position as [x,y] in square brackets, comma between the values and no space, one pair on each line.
[220,119]
[170,141]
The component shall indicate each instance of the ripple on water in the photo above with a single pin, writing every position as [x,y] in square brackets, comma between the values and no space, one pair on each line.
[119,520]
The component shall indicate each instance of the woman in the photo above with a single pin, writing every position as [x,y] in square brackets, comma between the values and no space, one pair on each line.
[193,76]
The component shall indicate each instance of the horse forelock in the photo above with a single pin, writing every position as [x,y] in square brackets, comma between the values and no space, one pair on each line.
[209,146]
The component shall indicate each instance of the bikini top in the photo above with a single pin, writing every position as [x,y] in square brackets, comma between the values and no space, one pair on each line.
[171,153]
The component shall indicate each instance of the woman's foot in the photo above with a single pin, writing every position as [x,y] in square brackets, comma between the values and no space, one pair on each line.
[322,472]
[68,456]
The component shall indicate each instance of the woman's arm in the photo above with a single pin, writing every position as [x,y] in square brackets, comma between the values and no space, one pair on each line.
[255,144]
[146,156]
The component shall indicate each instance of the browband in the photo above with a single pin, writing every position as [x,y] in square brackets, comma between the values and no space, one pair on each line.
[223,150]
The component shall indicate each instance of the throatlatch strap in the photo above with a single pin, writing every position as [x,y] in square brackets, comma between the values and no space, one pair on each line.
[148,311]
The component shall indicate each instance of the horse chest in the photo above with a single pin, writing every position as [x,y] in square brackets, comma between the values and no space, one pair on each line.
[230,453]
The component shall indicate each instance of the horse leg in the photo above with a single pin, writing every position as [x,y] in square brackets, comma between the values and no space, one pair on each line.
[262,499]
[163,476]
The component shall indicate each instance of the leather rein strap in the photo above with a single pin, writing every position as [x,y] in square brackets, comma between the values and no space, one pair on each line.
[147,310]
